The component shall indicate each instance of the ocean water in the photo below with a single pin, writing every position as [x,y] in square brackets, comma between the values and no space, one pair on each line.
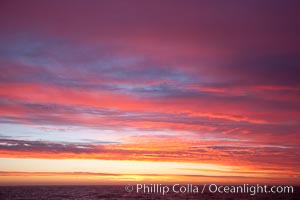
[118,192]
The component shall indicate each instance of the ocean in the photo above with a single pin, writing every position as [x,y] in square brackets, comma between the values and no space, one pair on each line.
[118,192]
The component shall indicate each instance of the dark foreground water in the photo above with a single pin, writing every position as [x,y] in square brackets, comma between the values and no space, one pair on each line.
[118,192]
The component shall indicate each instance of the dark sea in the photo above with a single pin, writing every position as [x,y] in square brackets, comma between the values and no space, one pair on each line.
[118,192]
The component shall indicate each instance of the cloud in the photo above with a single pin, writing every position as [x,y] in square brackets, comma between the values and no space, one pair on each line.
[222,77]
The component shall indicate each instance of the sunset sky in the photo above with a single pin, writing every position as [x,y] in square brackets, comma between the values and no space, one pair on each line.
[115,92]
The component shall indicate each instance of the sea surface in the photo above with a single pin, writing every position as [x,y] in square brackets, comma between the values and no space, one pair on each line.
[118,192]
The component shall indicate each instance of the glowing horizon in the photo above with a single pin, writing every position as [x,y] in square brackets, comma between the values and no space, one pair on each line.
[109,92]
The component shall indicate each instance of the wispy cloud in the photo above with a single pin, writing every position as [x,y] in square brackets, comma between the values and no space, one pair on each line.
[193,81]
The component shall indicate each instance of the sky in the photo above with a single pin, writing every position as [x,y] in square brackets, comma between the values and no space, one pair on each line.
[116,92]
